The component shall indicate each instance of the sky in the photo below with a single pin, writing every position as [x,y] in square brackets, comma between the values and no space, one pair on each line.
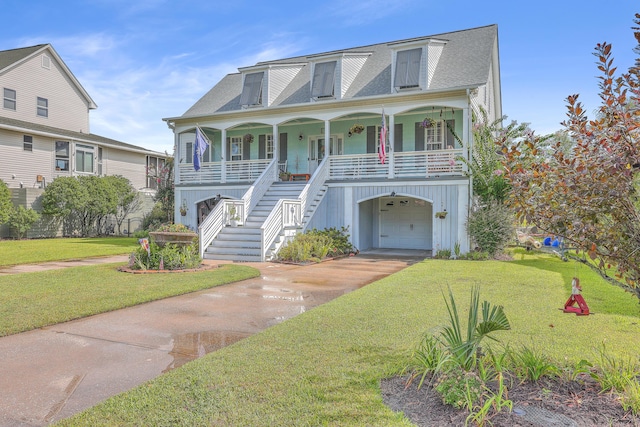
[145,60]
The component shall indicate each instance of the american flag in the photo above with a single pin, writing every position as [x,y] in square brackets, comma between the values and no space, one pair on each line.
[382,153]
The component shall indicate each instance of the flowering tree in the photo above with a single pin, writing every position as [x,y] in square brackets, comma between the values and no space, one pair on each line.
[588,194]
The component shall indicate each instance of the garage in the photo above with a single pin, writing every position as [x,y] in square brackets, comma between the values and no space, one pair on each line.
[405,223]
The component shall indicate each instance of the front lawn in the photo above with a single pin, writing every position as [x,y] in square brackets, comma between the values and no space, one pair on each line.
[324,366]
[14,252]
[34,300]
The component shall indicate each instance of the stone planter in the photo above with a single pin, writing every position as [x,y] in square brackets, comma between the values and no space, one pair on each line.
[161,238]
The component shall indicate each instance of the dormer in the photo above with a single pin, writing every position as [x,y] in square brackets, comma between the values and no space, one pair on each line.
[332,74]
[263,83]
[413,64]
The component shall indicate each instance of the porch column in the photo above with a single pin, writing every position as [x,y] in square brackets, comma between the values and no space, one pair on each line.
[391,138]
[327,138]
[223,161]
[177,151]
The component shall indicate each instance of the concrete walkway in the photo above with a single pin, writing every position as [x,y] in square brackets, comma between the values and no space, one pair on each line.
[54,372]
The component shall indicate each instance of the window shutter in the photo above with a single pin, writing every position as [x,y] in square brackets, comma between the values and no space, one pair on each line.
[408,68]
[262,146]
[450,138]
[283,146]
[397,138]
[189,152]
[228,148]
[252,89]
[419,137]
[246,150]
[371,139]
[323,79]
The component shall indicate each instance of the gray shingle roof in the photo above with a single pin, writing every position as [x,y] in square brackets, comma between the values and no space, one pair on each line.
[9,57]
[28,127]
[465,62]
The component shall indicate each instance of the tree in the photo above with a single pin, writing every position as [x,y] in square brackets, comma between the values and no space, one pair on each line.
[63,198]
[127,198]
[588,192]
[5,202]
[165,192]
[22,219]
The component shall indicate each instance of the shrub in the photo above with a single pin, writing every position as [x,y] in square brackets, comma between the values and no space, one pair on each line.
[21,220]
[443,254]
[315,245]
[168,257]
[491,227]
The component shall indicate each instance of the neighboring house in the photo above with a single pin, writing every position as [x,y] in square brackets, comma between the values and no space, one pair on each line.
[321,117]
[45,134]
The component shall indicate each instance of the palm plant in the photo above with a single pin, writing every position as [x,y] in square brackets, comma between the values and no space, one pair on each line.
[481,323]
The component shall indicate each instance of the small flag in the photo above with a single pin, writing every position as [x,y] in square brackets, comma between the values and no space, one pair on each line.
[199,147]
[145,245]
[382,154]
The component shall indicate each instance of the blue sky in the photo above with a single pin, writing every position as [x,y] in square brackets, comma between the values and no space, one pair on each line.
[144,60]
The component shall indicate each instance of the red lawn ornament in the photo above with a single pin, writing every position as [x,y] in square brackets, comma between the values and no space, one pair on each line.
[569,307]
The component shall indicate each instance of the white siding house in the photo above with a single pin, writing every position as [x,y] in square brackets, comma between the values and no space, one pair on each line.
[45,133]
[373,137]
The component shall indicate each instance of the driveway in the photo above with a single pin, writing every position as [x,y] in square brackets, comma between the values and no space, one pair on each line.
[54,372]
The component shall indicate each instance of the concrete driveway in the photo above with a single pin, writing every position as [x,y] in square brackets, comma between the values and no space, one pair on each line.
[54,372]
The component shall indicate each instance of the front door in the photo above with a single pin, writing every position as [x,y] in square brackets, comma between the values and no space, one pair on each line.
[405,223]
[316,150]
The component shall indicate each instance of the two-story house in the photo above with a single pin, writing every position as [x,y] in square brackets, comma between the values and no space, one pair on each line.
[45,134]
[371,136]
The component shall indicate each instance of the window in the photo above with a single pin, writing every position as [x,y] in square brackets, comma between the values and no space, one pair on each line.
[434,136]
[252,89]
[84,158]
[408,68]
[9,99]
[236,148]
[323,80]
[269,146]
[62,155]
[27,143]
[189,152]
[43,107]
[99,161]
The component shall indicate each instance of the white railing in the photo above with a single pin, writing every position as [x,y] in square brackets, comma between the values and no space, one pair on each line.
[211,172]
[427,164]
[211,227]
[286,214]
[358,166]
[246,170]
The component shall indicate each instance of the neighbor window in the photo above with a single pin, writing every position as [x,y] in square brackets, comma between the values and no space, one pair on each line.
[252,89]
[408,68]
[27,143]
[9,99]
[323,80]
[84,158]
[62,155]
[43,107]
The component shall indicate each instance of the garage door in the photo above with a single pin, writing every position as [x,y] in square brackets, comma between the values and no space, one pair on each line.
[405,223]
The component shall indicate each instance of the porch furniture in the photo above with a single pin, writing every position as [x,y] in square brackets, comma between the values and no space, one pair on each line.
[299,176]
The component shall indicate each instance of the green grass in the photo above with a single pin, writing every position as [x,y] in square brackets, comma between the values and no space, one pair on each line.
[34,300]
[14,252]
[323,367]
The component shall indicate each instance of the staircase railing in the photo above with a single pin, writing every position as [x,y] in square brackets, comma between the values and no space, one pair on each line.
[286,214]
[314,185]
[252,196]
[211,226]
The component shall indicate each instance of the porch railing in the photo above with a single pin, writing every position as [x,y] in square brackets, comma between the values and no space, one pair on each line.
[428,164]
[254,193]
[313,186]
[208,173]
[236,171]
[286,214]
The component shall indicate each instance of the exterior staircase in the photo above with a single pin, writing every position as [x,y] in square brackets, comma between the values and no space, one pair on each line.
[243,243]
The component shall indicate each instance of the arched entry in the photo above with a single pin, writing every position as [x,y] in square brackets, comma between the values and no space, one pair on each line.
[405,223]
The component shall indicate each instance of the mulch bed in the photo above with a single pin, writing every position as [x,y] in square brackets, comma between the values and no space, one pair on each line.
[547,403]
[126,269]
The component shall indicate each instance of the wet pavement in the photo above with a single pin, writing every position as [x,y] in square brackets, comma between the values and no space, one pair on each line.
[52,373]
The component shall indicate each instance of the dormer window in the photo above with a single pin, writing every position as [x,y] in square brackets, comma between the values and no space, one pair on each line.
[252,89]
[407,73]
[323,85]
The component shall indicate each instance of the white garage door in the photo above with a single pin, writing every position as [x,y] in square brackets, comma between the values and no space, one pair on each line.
[405,223]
